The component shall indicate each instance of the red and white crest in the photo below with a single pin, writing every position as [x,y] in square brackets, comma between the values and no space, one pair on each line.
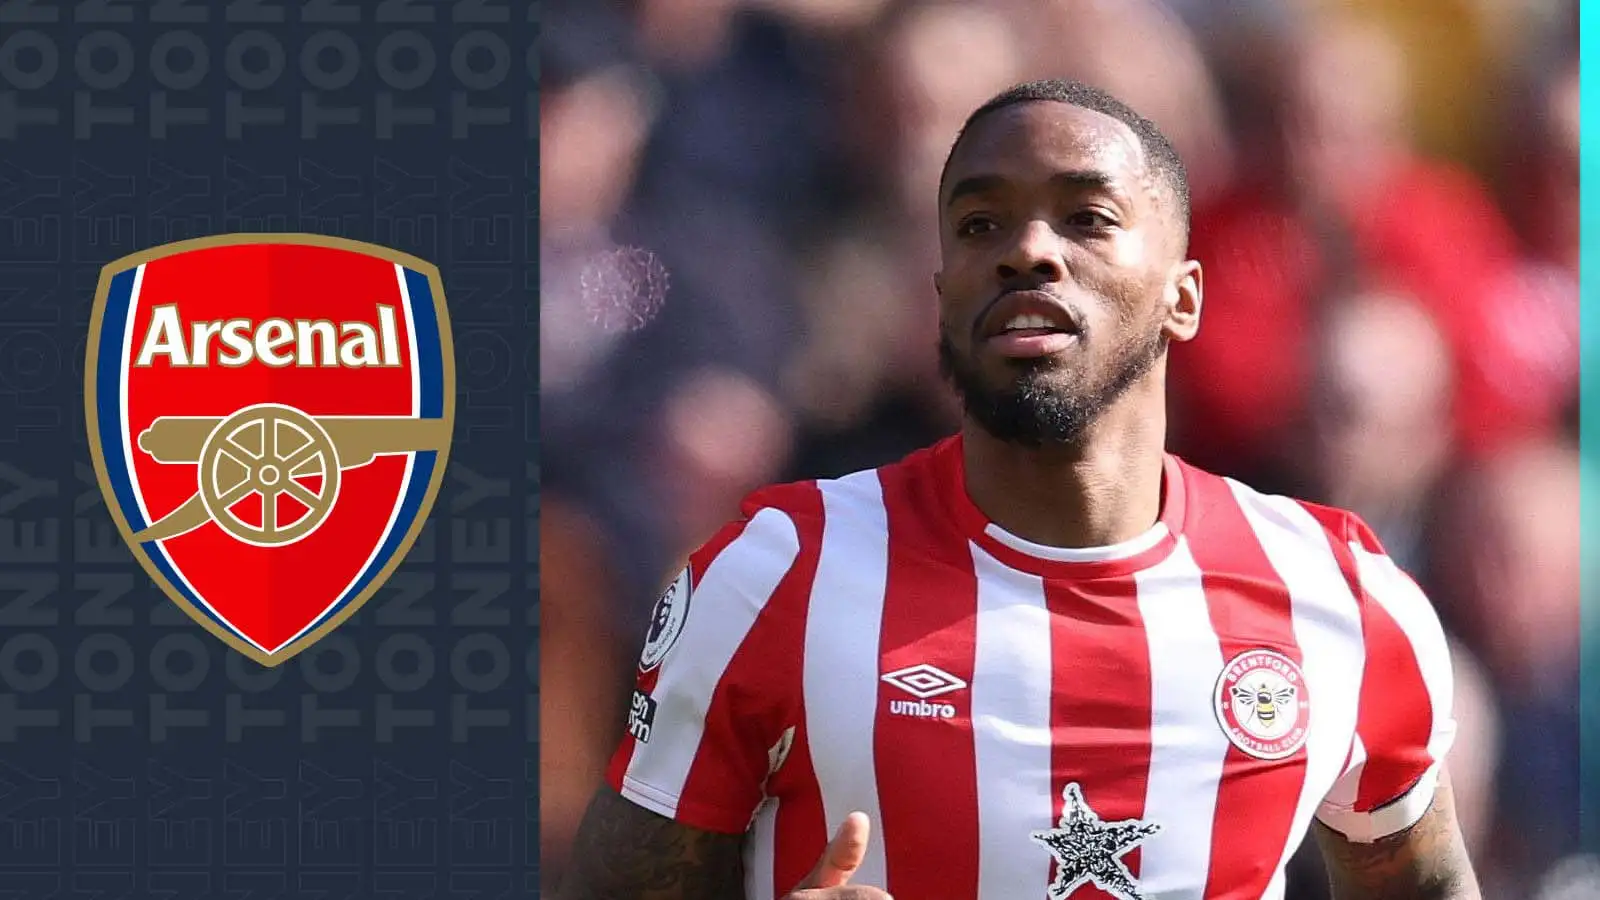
[1263,705]
[270,418]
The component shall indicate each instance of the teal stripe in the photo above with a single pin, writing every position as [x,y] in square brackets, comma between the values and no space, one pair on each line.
[1589,431]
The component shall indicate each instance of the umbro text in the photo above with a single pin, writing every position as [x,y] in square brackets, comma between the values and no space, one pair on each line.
[922,709]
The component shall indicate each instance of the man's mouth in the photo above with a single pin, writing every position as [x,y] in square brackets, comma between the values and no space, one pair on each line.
[1030,310]
[1032,324]
[1029,324]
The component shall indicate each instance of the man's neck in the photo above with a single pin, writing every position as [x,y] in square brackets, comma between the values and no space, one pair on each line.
[1102,491]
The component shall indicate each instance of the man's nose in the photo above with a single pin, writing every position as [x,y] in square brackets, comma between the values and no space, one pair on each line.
[1036,250]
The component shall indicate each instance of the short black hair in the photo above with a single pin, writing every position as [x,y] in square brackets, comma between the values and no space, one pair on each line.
[1160,156]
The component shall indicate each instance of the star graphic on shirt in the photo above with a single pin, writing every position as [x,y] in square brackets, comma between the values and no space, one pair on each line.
[1088,849]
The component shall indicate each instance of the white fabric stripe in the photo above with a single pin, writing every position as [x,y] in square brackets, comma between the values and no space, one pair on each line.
[1343,793]
[1011,695]
[1395,816]
[1327,627]
[842,654]
[1130,547]
[1188,749]
[1409,607]
[761,853]
[722,608]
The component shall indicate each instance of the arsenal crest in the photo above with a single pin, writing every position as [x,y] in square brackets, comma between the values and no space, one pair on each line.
[270,416]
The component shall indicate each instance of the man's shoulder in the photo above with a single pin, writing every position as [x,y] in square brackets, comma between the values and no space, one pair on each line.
[767,554]
[1399,627]
[1364,564]
[1312,521]
[852,499]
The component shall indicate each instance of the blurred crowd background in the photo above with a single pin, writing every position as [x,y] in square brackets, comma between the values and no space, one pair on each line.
[737,220]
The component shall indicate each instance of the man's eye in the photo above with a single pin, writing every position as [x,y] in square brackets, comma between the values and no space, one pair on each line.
[974,225]
[1092,219]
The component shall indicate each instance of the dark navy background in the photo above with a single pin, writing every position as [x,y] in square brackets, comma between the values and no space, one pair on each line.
[139,757]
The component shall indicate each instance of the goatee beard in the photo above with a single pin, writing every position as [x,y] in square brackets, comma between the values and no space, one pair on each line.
[1031,411]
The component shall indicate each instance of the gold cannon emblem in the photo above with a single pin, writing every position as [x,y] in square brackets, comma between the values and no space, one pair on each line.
[266,449]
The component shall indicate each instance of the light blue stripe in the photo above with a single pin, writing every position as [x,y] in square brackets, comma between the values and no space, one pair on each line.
[1589,429]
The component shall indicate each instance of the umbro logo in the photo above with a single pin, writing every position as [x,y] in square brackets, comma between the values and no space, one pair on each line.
[923,682]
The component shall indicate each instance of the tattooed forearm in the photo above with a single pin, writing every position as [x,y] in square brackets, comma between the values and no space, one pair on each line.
[1427,861]
[623,852]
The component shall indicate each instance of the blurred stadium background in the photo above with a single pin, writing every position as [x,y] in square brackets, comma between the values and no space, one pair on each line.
[737,240]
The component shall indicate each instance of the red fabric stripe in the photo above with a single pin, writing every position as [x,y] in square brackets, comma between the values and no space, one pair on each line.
[1393,734]
[802,827]
[1250,610]
[1100,701]
[1395,718]
[759,696]
[928,618]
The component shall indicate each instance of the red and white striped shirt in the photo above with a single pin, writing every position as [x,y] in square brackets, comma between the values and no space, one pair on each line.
[1160,719]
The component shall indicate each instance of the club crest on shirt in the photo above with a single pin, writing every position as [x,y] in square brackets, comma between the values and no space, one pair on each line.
[1263,704]
[666,622]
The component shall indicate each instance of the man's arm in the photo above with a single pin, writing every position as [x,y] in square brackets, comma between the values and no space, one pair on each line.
[1387,827]
[707,707]
[1427,861]
[626,852]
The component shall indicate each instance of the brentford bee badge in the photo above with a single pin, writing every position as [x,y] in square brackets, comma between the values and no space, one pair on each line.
[1263,705]
[270,417]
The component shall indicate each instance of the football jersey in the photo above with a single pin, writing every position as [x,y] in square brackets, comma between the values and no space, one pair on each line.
[1159,719]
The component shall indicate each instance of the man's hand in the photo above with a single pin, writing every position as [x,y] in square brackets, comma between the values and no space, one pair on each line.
[830,879]
[1427,861]
[626,852]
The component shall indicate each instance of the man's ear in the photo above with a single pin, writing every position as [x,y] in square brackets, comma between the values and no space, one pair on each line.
[1184,294]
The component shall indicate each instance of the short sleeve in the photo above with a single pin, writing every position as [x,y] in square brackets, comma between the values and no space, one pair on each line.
[709,708]
[1405,724]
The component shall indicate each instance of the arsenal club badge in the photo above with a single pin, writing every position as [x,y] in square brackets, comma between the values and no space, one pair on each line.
[269,416]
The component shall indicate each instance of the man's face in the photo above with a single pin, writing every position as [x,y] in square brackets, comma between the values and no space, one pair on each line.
[1062,277]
